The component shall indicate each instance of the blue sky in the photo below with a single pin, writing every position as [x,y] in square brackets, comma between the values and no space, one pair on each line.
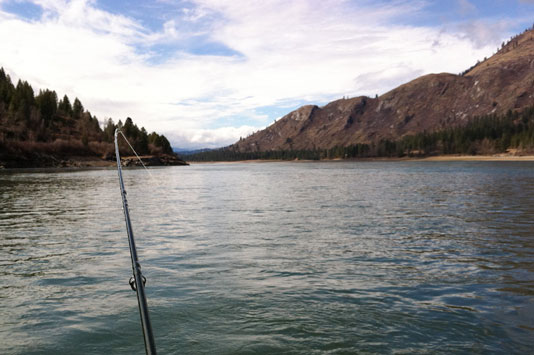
[206,72]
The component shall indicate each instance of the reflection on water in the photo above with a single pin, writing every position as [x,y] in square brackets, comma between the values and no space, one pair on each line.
[268,258]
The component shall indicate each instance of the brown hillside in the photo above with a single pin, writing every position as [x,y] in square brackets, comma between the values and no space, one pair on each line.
[501,83]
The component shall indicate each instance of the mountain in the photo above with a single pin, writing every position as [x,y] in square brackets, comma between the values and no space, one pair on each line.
[432,102]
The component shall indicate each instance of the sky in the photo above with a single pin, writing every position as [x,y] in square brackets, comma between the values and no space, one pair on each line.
[207,72]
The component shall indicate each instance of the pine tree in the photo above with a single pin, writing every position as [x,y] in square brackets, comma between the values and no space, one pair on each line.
[77,109]
[47,104]
[64,106]
[22,101]
[109,130]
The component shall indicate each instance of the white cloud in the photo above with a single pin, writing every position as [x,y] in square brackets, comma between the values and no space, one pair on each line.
[289,52]
[210,138]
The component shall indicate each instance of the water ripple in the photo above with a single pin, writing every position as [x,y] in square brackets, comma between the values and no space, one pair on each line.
[295,258]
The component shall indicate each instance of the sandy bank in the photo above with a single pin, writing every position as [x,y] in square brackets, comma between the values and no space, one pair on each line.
[497,157]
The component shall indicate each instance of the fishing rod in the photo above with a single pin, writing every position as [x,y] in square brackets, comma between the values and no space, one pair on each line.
[137,281]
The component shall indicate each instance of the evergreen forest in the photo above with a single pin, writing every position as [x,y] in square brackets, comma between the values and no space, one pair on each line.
[41,126]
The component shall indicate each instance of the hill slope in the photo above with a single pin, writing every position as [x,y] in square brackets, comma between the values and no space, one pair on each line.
[429,103]
[40,131]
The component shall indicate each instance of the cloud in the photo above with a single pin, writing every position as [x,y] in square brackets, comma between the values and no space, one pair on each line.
[483,33]
[209,138]
[466,8]
[201,76]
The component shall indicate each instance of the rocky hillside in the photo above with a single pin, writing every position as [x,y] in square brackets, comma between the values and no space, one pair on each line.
[432,102]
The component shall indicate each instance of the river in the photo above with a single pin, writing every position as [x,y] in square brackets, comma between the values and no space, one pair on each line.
[270,258]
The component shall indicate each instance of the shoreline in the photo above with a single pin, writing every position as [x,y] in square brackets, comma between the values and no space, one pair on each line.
[85,162]
[496,157]
[88,163]
[443,158]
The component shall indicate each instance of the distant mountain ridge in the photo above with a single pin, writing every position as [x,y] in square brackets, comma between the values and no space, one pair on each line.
[187,151]
[432,102]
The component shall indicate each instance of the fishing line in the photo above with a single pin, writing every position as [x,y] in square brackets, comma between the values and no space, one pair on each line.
[154,180]
[144,166]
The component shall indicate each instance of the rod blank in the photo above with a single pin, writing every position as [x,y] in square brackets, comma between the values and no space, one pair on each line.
[150,344]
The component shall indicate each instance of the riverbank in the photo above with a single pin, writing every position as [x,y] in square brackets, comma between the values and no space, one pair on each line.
[495,157]
[50,161]
[169,160]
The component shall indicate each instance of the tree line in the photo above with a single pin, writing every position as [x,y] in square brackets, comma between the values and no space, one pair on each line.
[487,134]
[42,122]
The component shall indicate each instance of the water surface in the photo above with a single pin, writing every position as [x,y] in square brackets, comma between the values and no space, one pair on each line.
[269,258]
